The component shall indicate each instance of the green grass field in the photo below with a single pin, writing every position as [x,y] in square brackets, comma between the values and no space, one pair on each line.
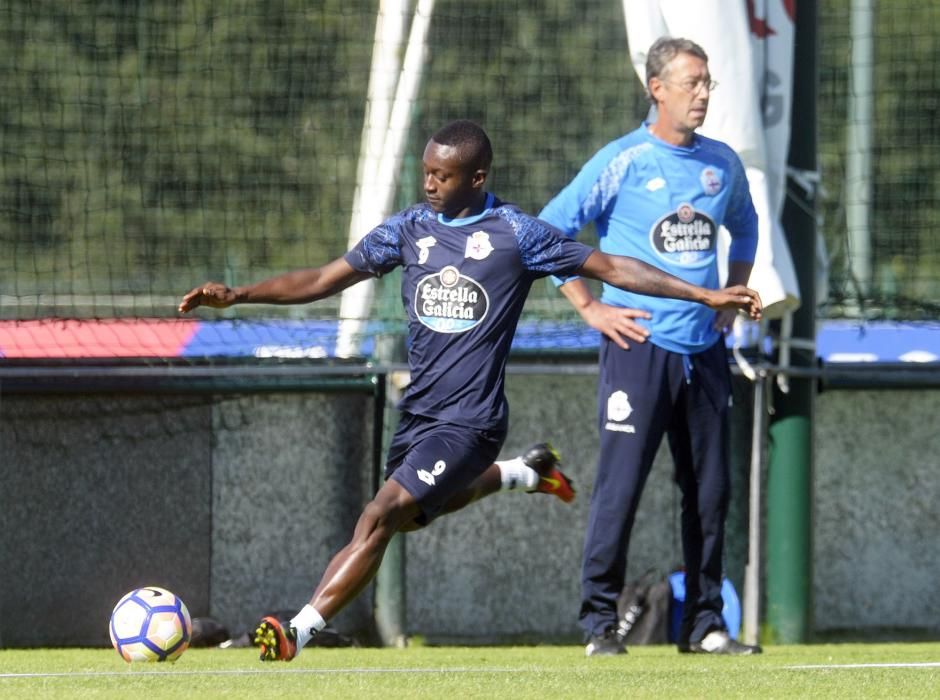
[453,673]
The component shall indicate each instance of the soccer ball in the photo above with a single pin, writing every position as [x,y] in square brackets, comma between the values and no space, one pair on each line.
[150,624]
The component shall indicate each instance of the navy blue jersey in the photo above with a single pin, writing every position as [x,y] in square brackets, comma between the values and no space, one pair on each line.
[464,283]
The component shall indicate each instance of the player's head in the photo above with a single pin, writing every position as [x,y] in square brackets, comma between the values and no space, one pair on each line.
[456,162]
[678,81]
[470,139]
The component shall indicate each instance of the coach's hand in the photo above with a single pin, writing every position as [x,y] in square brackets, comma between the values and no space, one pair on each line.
[214,294]
[724,320]
[616,322]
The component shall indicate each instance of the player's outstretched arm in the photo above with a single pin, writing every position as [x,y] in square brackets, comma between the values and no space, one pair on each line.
[296,287]
[636,276]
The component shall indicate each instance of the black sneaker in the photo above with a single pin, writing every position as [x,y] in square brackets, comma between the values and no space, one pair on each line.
[719,642]
[544,459]
[607,644]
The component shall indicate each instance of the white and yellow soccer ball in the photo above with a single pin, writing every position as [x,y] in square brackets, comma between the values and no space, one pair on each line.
[150,624]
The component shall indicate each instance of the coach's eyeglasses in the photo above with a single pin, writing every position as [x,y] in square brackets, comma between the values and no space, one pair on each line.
[694,87]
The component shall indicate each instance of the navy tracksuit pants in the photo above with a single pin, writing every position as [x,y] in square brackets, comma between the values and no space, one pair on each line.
[644,393]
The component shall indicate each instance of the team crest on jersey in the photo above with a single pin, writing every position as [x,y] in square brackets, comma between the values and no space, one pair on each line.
[685,237]
[657,183]
[449,302]
[711,180]
[424,245]
[478,245]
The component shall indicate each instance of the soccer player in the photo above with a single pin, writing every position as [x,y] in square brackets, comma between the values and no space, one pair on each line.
[468,261]
[659,194]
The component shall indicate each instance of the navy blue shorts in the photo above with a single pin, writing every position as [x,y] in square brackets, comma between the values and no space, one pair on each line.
[433,460]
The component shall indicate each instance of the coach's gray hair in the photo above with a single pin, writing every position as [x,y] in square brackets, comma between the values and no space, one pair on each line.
[663,50]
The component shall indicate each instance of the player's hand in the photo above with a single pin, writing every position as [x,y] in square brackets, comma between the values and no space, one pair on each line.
[736,298]
[616,322]
[214,294]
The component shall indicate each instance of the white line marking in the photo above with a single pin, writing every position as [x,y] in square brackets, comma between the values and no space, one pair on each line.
[324,671]
[924,664]
[252,672]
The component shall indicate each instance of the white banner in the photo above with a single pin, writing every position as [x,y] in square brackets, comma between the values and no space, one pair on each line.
[750,50]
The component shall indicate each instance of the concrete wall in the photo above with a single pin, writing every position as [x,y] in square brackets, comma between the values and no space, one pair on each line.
[99,495]
[877,510]
[509,566]
[290,473]
[237,502]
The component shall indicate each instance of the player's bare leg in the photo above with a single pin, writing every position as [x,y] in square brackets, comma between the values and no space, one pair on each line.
[394,510]
[354,566]
[348,573]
